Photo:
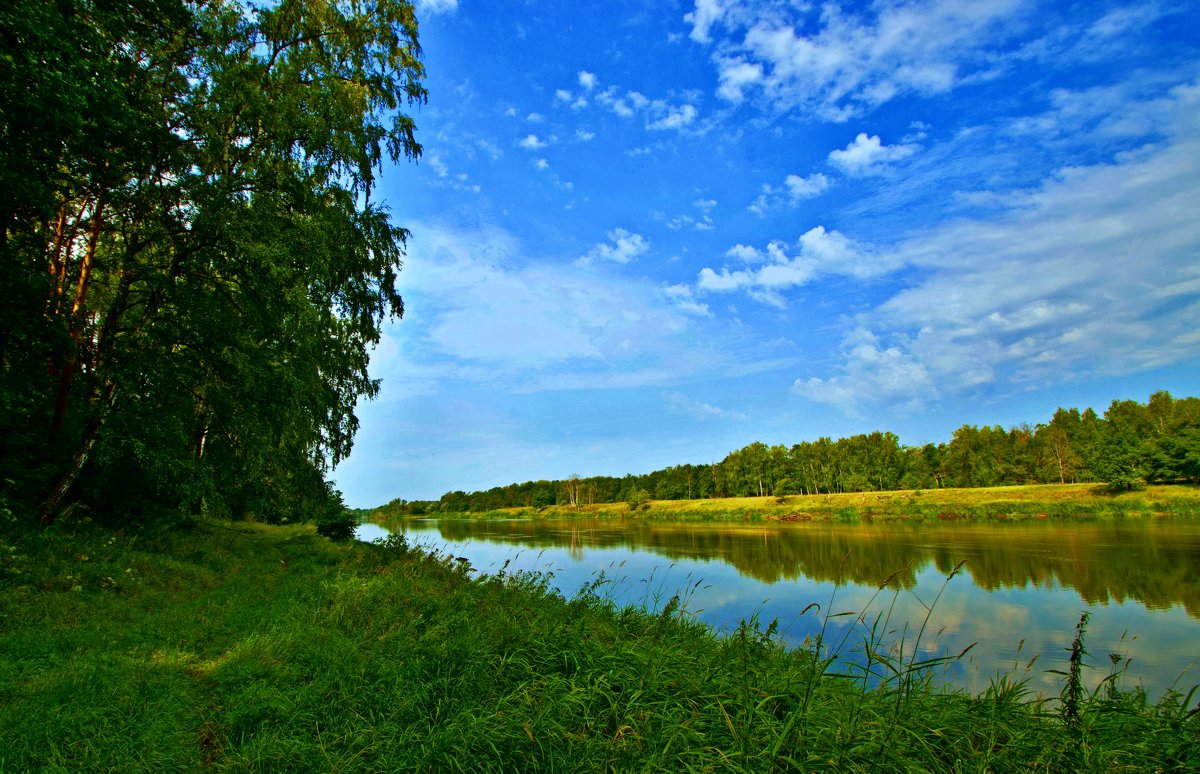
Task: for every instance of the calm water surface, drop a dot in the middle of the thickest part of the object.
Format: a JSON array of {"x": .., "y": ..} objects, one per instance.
[{"x": 1018, "y": 595}]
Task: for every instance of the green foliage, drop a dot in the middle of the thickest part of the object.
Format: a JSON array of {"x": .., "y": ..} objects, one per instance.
[
  {"x": 332, "y": 518},
  {"x": 542, "y": 498},
  {"x": 188, "y": 240},
  {"x": 340, "y": 527}
]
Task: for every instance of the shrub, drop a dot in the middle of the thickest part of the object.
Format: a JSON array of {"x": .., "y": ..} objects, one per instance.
[
  {"x": 639, "y": 498},
  {"x": 338, "y": 527}
]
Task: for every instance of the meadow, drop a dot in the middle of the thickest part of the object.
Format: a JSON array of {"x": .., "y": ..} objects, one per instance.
[{"x": 246, "y": 647}]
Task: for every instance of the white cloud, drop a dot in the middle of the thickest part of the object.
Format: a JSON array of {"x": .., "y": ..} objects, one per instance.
[
  {"x": 1098, "y": 115},
  {"x": 699, "y": 410},
  {"x": 471, "y": 305},
  {"x": 587, "y": 80},
  {"x": 584, "y": 135},
  {"x": 490, "y": 148},
  {"x": 457, "y": 182},
  {"x": 887, "y": 374},
  {"x": 794, "y": 190},
  {"x": 834, "y": 63},
  {"x": 1113, "y": 33},
  {"x": 532, "y": 142},
  {"x": 726, "y": 280},
  {"x": 1095, "y": 271},
  {"x": 623, "y": 246},
  {"x": 765, "y": 201},
  {"x": 1121, "y": 20},
  {"x": 541, "y": 164},
  {"x": 576, "y": 103},
  {"x": 435, "y": 7},
  {"x": 806, "y": 187},
  {"x": 819, "y": 253},
  {"x": 478, "y": 311},
  {"x": 835, "y": 253},
  {"x": 618, "y": 104},
  {"x": 659, "y": 114},
  {"x": 685, "y": 300},
  {"x": 702, "y": 222},
  {"x": 736, "y": 76},
  {"x": 678, "y": 117},
  {"x": 707, "y": 13},
  {"x": 867, "y": 155},
  {"x": 745, "y": 253}
]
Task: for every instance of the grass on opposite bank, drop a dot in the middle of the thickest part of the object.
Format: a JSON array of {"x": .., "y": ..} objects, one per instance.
[
  {"x": 1036, "y": 501},
  {"x": 244, "y": 647}
]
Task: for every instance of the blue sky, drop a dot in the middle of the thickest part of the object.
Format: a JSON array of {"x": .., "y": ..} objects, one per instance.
[{"x": 650, "y": 233}]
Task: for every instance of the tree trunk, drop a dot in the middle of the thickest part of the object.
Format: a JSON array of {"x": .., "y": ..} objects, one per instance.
[
  {"x": 61, "y": 253},
  {"x": 85, "y": 271},
  {"x": 78, "y": 461},
  {"x": 66, "y": 369}
]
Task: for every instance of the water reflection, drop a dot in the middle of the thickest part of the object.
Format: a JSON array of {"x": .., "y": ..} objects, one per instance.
[
  {"x": 1022, "y": 588},
  {"x": 369, "y": 533}
]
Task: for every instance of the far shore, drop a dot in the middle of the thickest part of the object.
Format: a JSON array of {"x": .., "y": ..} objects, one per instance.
[{"x": 1007, "y": 503}]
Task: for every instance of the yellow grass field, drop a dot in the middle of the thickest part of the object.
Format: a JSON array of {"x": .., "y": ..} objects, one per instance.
[{"x": 1009, "y": 502}]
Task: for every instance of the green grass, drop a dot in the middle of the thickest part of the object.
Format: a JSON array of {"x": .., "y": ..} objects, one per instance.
[
  {"x": 250, "y": 648},
  {"x": 1008, "y": 503}
]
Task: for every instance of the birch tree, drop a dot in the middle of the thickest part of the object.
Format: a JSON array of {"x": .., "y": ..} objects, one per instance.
[{"x": 197, "y": 266}]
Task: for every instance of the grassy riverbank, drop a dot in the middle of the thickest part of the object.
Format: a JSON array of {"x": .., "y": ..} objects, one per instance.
[
  {"x": 1040, "y": 501},
  {"x": 247, "y": 647}
]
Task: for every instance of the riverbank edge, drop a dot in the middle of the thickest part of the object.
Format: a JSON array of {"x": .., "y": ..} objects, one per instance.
[
  {"x": 249, "y": 647},
  {"x": 1013, "y": 503}
]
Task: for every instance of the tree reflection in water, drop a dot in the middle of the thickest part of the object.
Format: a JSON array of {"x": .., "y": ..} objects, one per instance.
[{"x": 1021, "y": 582}]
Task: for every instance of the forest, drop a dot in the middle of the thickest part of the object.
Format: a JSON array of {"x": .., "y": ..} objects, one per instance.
[
  {"x": 1130, "y": 445},
  {"x": 193, "y": 268}
]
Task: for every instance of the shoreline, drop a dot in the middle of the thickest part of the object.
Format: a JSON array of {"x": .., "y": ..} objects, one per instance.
[{"x": 1011, "y": 503}]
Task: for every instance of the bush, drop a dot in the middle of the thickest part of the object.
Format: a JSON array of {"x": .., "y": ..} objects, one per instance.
[{"x": 338, "y": 527}]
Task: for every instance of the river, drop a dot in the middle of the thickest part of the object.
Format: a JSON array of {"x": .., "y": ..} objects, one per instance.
[{"x": 1018, "y": 594}]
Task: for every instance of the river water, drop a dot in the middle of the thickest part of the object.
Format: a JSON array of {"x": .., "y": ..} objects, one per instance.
[{"x": 1018, "y": 594}]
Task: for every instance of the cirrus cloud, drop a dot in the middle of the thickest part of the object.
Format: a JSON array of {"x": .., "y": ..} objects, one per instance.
[{"x": 1096, "y": 271}]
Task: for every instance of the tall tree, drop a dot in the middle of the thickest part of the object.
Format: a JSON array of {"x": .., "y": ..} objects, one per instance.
[
  {"x": 1123, "y": 456},
  {"x": 207, "y": 264}
]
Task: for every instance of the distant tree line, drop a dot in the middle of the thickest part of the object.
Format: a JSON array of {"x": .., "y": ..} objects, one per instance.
[{"x": 1132, "y": 444}]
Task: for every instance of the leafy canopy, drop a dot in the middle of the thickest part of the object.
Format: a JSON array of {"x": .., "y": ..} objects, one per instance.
[{"x": 197, "y": 270}]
